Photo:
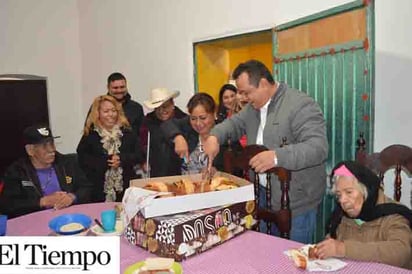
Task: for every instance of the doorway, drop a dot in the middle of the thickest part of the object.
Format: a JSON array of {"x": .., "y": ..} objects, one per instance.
[
  {"x": 24, "y": 103},
  {"x": 216, "y": 59}
]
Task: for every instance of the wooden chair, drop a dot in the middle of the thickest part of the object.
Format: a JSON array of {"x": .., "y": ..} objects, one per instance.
[
  {"x": 396, "y": 156},
  {"x": 282, "y": 217}
]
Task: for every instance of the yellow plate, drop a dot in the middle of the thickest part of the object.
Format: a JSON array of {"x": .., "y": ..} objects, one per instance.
[{"x": 176, "y": 267}]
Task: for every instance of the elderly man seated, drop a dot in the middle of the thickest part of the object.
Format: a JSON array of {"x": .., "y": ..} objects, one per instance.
[
  {"x": 42, "y": 179},
  {"x": 366, "y": 225}
]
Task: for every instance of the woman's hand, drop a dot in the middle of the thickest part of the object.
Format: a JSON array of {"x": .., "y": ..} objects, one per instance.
[
  {"x": 114, "y": 161},
  {"x": 330, "y": 248}
]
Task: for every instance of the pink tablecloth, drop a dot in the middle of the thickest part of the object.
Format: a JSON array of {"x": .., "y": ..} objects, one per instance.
[{"x": 249, "y": 253}]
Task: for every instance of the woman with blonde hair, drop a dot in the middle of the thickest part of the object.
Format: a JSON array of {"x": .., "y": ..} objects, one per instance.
[{"x": 108, "y": 150}]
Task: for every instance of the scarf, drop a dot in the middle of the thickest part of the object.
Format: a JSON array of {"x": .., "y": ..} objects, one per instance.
[
  {"x": 113, "y": 178},
  {"x": 370, "y": 210}
]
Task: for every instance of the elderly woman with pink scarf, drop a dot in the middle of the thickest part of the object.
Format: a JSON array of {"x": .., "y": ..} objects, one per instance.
[{"x": 366, "y": 225}]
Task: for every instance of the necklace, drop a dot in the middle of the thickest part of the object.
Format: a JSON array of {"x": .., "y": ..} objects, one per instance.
[{"x": 200, "y": 145}]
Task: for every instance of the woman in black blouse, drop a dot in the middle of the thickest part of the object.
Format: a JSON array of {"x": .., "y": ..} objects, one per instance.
[{"x": 108, "y": 150}]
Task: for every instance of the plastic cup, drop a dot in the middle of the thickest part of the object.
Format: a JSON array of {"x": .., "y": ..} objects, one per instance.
[
  {"x": 108, "y": 218},
  {"x": 3, "y": 225}
]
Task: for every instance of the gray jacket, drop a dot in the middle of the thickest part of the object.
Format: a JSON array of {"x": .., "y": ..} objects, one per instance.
[{"x": 296, "y": 116}]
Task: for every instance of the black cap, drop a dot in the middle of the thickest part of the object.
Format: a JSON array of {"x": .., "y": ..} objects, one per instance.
[{"x": 38, "y": 135}]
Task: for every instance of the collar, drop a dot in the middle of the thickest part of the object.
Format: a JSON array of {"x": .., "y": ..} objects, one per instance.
[
  {"x": 281, "y": 89},
  {"x": 265, "y": 106}
]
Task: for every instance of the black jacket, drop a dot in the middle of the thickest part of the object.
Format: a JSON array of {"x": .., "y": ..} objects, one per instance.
[
  {"x": 163, "y": 160},
  {"x": 134, "y": 113},
  {"x": 22, "y": 190},
  {"x": 93, "y": 160}
]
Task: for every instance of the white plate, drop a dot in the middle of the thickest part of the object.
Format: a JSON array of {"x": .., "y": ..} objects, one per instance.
[{"x": 100, "y": 232}]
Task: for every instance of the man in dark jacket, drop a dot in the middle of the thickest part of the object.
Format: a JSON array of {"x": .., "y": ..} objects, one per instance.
[
  {"x": 163, "y": 161},
  {"x": 117, "y": 87},
  {"x": 42, "y": 179}
]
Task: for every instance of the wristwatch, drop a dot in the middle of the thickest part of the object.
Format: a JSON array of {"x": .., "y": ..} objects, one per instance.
[{"x": 275, "y": 160}]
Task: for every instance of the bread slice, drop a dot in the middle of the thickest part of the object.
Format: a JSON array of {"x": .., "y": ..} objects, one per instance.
[
  {"x": 215, "y": 182},
  {"x": 299, "y": 259},
  {"x": 156, "y": 186},
  {"x": 189, "y": 186},
  {"x": 312, "y": 253},
  {"x": 222, "y": 183},
  {"x": 158, "y": 263}
]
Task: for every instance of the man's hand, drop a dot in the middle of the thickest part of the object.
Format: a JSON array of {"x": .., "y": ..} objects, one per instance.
[
  {"x": 181, "y": 147},
  {"x": 211, "y": 147},
  {"x": 114, "y": 161},
  {"x": 65, "y": 200},
  {"x": 330, "y": 248},
  {"x": 263, "y": 161},
  {"x": 51, "y": 199}
]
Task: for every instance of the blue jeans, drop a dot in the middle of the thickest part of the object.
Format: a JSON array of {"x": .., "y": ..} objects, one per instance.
[{"x": 303, "y": 225}]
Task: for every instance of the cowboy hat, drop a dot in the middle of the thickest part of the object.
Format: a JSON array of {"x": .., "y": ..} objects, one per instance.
[{"x": 158, "y": 96}]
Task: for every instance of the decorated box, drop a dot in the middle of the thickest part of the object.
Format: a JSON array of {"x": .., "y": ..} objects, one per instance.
[
  {"x": 182, "y": 235},
  {"x": 195, "y": 201}
]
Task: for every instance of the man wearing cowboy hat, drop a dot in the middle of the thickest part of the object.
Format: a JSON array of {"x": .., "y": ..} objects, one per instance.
[
  {"x": 42, "y": 179},
  {"x": 117, "y": 87},
  {"x": 163, "y": 161}
]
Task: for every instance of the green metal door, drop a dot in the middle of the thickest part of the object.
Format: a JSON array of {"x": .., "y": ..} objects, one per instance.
[{"x": 340, "y": 78}]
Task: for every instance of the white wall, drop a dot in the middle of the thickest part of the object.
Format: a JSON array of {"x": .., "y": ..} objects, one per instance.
[
  {"x": 151, "y": 41},
  {"x": 41, "y": 38},
  {"x": 393, "y": 102},
  {"x": 77, "y": 44}
]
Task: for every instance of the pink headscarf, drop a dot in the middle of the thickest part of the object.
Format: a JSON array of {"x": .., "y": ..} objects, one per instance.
[{"x": 343, "y": 171}]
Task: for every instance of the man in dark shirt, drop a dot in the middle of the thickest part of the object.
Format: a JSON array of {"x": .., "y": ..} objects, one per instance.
[
  {"x": 43, "y": 178},
  {"x": 117, "y": 87},
  {"x": 163, "y": 161}
]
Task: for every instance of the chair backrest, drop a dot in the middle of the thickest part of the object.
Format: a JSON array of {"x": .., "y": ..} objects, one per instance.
[
  {"x": 281, "y": 218},
  {"x": 396, "y": 156}
]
